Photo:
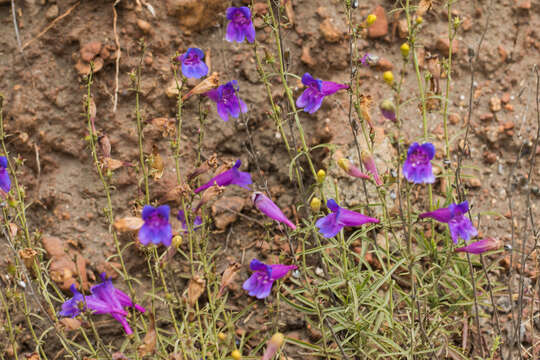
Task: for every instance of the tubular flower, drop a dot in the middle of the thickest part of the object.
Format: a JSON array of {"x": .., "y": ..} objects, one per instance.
[
  {"x": 270, "y": 209},
  {"x": 481, "y": 246},
  {"x": 71, "y": 308},
  {"x": 332, "y": 223},
  {"x": 232, "y": 176},
  {"x": 260, "y": 282},
  {"x": 369, "y": 164},
  {"x": 351, "y": 170},
  {"x": 312, "y": 97},
  {"x": 417, "y": 167},
  {"x": 454, "y": 216},
  {"x": 197, "y": 222},
  {"x": 240, "y": 25},
  {"x": 157, "y": 228},
  {"x": 228, "y": 103},
  {"x": 193, "y": 65},
  {"x": 5, "y": 181}
]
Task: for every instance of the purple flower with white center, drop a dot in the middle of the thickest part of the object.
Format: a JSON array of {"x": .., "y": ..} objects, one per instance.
[
  {"x": 417, "y": 167},
  {"x": 233, "y": 176},
  {"x": 331, "y": 224},
  {"x": 197, "y": 222},
  {"x": 270, "y": 209},
  {"x": 228, "y": 103},
  {"x": 70, "y": 308},
  {"x": 240, "y": 25},
  {"x": 5, "y": 181},
  {"x": 260, "y": 282},
  {"x": 481, "y": 246},
  {"x": 454, "y": 216},
  {"x": 193, "y": 65},
  {"x": 316, "y": 89},
  {"x": 157, "y": 228}
]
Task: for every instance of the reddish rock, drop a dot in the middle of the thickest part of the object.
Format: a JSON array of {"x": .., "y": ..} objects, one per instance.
[
  {"x": 505, "y": 98},
  {"x": 466, "y": 25},
  {"x": 330, "y": 32},
  {"x": 380, "y": 27},
  {"x": 306, "y": 57},
  {"x": 260, "y": 8},
  {"x": 90, "y": 51},
  {"x": 490, "y": 157},
  {"x": 486, "y": 117},
  {"x": 454, "y": 118},
  {"x": 384, "y": 65},
  {"x": 225, "y": 210},
  {"x": 495, "y": 103},
  {"x": 403, "y": 29},
  {"x": 53, "y": 246},
  {"x": 443, "y": 45}
]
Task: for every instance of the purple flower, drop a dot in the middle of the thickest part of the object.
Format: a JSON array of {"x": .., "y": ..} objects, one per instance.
[
  {"x": 193, "y": 65},
  {"x": 70, "y": 308},
  {"x": 352, "y": 170},
  {"x": 311, "y": 99},
  {"x": 260, "y": 282},
  {"x": 267, "y": 207},
  {"x": 417, "y": 167},
  {"x": 157, "y": 228},
  {"x": 5, "y": 181},
  {"x": 454, "y": 216},
  {"x": 227, "y": 101},
  {"x": 332, "y": 223},
  {"x": 197, "y": 222},
  {"x": 240, "y": 25},
  {"x": 481, "y": 246},
  {"x": 369, "y": 164},
  {"x": 231, "y": 176}
]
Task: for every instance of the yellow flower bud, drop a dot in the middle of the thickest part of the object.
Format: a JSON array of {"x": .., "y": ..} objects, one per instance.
[
  {"x": 277, "y": 339},
  {"x": 321, "y": 174},
  {"x": 345, "y": 164},
  {"x": 236, "y": 355},
  {"x": 177, "y": 241},
  {"x": 388, "y": 77},
  {"x": 315, "y": 204},
  {"x": 221, "y": 336},
  {"x": 419, "y": 20},
  {"x": 405, "y": 49},
  {"x": 371, "y": 19}
]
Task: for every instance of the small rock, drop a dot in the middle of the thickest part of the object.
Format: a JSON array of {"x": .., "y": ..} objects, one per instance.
[
  {"x": 503, "y": 54},
  {"x": 195, "y": 15},
  {"x": 384, "y": 65},
  {"x": 486, "y": 117},
  {"x": 90, "y": 50},
  {"x": 306, "y": 57},
  {"x": 52, "y": 12},
  {"x": 466, "y": 25},
  {"x": 454, "y": 118},
  {"x": 224, "y": 210},
  {"x": 380, "y": 27},
  {"x": 329, "y": 31},
  {"x": 260, "y": 8},
  {"x": 443, "y": 45},
  {"x": 508, "y": 125},
  {"x": 403, "y": 29},
  {"x": 504, "y": 305},
  {"x": 145, "y": 26},
  {"x": 524, "y": 5},
  {"x": 495, "y": 103},
  {"x": 475, "y": 183},
  {"x": 323, "y": 12},
  {"x": 53, "y": 246},
  {"x": 490, "y": 157},
  {"x": 505, "y": 98}
]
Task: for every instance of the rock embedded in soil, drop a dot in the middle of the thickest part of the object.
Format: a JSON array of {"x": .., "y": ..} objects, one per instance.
[
  {"x": 495, "y": 103},
  {"x": 330, "y": 31},
  {"x": 443, "y": 45},
  {"x": 90, "y": 50},
  {"x": 225, "y": 210},
  {"x": 195, "y": 15},
  {"x": 380, "y": 27}
]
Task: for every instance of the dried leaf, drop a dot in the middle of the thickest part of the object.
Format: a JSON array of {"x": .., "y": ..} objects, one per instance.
[
  {"x": 28, "y": 255},
  {"x": 165, "y": 125},
  {"x": 289, "y": 10},
  {"x": 228, "y": 276},
  {"x": 365, "y": 104},
  {"x": 209, "y": 194},
  {"x": 156, "y": 164},
  {"x": 70, "y": 324},
  {"x": 149, "y": 343},
  {"x": 13, "y": 229},
  {"x": 196, "y": 287},
  {"x": 105, "y": 146},
  {"x": 119, "y": 356},
  {"x": 112, "y": 164},
  {"x": 204, "y": 86},
  {"x": 129, "y": 223},
  {"x": 32, "y": 356}
]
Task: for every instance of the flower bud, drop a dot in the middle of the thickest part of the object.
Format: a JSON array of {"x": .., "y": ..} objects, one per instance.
[
  {"x": 388, "y": 77},
  {"x": 344, "y": 164},
  {"x": 388, "y": 109},
  {"x": 221, "y": 336},
  {"x": 351, "y": 170},
  {"x": 371, "y": 19},
  {"x": 236, "y": 355},
  {"x": 315, "y": 204},
  {"x": 419, "y": 20},
  {"x": 369, "y": 164},
  {"x": 321, "y": 174},
  {"x": 405, "y": 48},
  {"x": 273, "y": 345},
  {"x": 177, "y": 241}
]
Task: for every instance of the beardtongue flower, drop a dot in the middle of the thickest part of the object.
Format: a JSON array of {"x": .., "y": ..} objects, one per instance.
[
  {"x": 331, "y": 224},
  {"x": 157, "y": 228},
  {"x": 454, "y": 216},
  {"x": 71, "y": 307},
  {"x": 316, "y": 89},
  {"x": 5, "y": 181},
  {"x": 388, "y": 109},
  {"x": 260, "y": 282},
  {"x": 197, "y": 222},
  {"x": 270, "y": 209},
  {"x": 352, "y": 170},
  {"x": 479, "y": 247},
  {"x": 240, "y": 25},
  {"x": 233, "y": 176},
  {"x": 369, "y": 164},
  {"x": 228, "y": 103},
  {"x": 417, "y": 167},
  {"x": 193, "y": 65}
]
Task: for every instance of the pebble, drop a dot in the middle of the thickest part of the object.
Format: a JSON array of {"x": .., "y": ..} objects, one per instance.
[
  {"x": 503, "y": 304},
  {"x": 454, "y": 118},
  {"x": 306, "y": 57},
  {"x": 145, "y": 26},
  {"x": 90, "y": 50},
  {"x": 495, "y": 103},
  {"x": 329, "y": 31},
  {"x": 380, "y": 27},
  {"x": 490, "y": 157},
  {"x": 443, "y": 45},
  {"x": 52, "y": 12},
  {"x": 486, "y": 117},
  {"x": 384, "y": 65}
]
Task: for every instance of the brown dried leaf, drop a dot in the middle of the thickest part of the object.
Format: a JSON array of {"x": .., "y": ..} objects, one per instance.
[
  {"x": 289, "y": 10},
  {"x": 165, "y": 125},
  {"x": 13, "y": 229},
  {"x": 365, "y": 104},
  {"x": 211, "y": 193},
  {"x": 32, "y": 356},
  {"x": 228, "y": 276},
  {"x": 196, "y": 287},
  {"x": 112, "y": 164},
  {"x": 70, "y": 324},
  {"x": 105, "y": 146},
  {"x": 156, "y": 164},
  {"x": 28, "y": 255},
  {"x": 204, "y": 86},
  {"x": 129, "y": 223},
  {"x": 149, "y": 343},
  {"x": 81, "y": 270}
]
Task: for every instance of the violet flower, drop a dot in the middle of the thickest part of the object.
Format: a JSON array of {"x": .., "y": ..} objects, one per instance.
[
  {"x": 417, "y": 167},
  {"x": 233, "y": 176},
  {"x": 157, "y": 228},
  {"x": 260, "y": 282},
  {"x": 228, "y": 103},
  {"x": 5, "y": 181},
  {"x": 481, "y": 246},
  {"x": 197, "y": 222},
  {"x": 316, "y": 89},
  {"x": 193, "y": 65},
  {"x": 369, "y": 164},
  {"x": 340, "y": 217},
  {"x": 71, "y": 308},
  {"x": 454, "y": 216},
  {"x": 352, "y": 170},
  {"x": 240, "y": 25},
  {"x": 270, "y": 209}
]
